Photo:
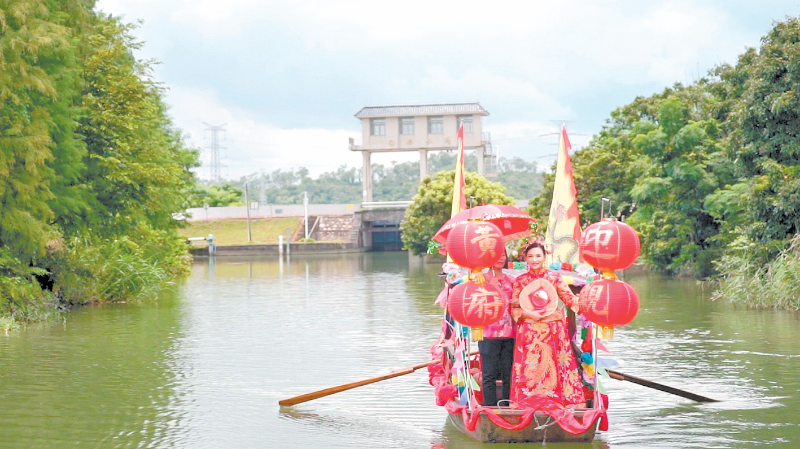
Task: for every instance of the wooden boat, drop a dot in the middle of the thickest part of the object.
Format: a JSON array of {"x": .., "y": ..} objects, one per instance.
[{"x": 541, "y": 429}]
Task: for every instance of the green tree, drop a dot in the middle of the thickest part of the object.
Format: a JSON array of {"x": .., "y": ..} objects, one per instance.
[
  {"x": 216, "y": 195},
  {"x": 431, "y": 206},
  {"x": 94, "y": 170},
  {"x": 762, "y": 203},
  {"x": 657, "y": 159},
  {"x": 38, "y": 59},
  {"x": 137, "y": 166}
]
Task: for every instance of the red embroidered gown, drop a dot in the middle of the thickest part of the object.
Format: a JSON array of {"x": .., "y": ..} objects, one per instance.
[{"x": 544, "y": 364}]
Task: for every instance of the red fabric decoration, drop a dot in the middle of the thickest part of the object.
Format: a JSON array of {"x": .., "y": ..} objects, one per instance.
[
  {"x": 475, "y": 244},
  {"x": 610, "y": 245},
  {"x": 476, "y": 305},
  {"x": 587, "y": 346},
  {"x": 609, "y": 302},
  {"x": 447, "y": 394}
]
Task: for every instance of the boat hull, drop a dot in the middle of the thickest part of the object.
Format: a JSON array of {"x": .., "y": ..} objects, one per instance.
[{"x": 541, "y": 429}]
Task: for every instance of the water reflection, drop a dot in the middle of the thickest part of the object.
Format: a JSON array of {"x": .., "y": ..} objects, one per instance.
[
  {"x": 102, "y": 379},
  {"x": 206, "y": 368}
]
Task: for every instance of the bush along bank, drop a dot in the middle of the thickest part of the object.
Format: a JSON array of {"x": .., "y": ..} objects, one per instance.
[
  {"x": 747, "y": 280},
  {"x": 93, "y": 169},
  {"x": 136, "y": 266}
]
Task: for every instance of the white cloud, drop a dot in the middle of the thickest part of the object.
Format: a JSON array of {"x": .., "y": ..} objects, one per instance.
[
  {"x": 251, "y": 145},
  {"x": 526, "y": 62}
]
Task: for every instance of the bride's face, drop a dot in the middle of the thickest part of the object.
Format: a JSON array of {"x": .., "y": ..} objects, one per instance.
[{"x": 535, "y": 258}]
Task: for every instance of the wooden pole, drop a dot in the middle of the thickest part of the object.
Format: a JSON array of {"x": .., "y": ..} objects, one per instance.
[
  {"x": 333, "y": 390},
  {"x": 667, "y": 389}
]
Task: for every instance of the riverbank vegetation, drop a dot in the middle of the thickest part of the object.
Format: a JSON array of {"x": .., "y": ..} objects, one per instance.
[
  {"x": 709, "y": 173},
  {"x": 757, "y": 285},
  {"x": 93, "y": 168},
  {"x": 431, "y": 206},
  {"x": 396, "y": 182},
  {"x": 234, "y": 232}
]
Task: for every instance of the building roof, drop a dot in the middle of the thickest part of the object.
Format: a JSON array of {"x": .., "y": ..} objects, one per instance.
[{"x": 425, "y": 109}]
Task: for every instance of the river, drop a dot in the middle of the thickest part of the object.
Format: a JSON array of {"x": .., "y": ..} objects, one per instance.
[{"x": 205, "y": 365}]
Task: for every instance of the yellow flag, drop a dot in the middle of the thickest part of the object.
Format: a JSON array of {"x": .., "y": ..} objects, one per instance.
[
  {"x": 564, "y": 225},
  {"x": 459, "y": 200}
]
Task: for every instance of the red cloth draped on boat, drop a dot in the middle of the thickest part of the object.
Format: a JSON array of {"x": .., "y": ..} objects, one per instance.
[
  {"x": 544, "y": 364},
  {"x": 447, "y": 394}
]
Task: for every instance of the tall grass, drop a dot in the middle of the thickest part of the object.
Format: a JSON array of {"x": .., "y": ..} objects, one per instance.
[
  {"x": 130, "y": 267},
  {"x": 776, "y": 284},
  {"x": 134, "y": 266}
]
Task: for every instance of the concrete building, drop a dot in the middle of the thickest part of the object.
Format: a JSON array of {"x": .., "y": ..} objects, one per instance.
[{"x": 423, "y": 128}]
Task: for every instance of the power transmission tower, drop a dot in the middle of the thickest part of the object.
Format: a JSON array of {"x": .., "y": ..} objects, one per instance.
[
  {"x": 215, "y": 166},
  {"x": 262, "y": 189}
]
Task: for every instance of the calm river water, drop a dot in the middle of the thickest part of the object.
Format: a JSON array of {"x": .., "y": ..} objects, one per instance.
[{"x": 204, "y": 367}]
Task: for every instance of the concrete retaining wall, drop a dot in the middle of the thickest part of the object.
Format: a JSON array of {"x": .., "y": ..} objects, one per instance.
[
  {"x": 333, "y": 227},
  {"x": 285, "y": 210},
  {"x": 269, "y": 211},
  {"x": 295, "y": 248}
]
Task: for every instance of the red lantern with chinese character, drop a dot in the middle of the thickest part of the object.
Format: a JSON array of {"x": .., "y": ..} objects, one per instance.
[
  {"x": 610, "y": 245},
  {"x": 609, "y": 302},
  {"x": 476, "y": 305},
  {"x": 475, "y": 244}
]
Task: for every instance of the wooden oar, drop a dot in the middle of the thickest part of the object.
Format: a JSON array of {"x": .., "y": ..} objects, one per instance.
[
  {"x": 650, "y": 384},
  {"x": 333, "y": 390}
]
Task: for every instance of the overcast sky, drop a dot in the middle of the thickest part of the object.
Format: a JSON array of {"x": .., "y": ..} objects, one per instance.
[{"x": 286, "y": 77}]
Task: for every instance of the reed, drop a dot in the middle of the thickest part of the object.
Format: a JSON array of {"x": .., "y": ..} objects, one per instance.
[
  {"x": 7, "y": 323},
  {"x": 775, "y": 284},
  {"x": 130, "y": 267}
]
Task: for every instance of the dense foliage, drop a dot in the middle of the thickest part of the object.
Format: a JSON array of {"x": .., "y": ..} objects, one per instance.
[
  {"x": 707, "y": 173},
  {"x": 431, "y": 206},
  {"x": 93, "y": 170},
  {"x": 396, "y": 182},
  {"x": 216, "y": 195}
]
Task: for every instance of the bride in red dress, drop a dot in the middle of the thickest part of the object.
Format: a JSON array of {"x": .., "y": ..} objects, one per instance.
[{"x": 544, "y": 364}]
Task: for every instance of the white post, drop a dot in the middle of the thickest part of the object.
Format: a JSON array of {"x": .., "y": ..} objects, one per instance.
[
  {"x": 280, "y": 246},
  {"x": 247, "y": 206},
  {"x": 305, "y": 210}
]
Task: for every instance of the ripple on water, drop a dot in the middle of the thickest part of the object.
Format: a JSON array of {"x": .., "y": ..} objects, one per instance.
[{"x": 208, "y": 370}]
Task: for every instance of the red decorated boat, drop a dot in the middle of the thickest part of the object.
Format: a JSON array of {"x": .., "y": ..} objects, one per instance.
[
  {"x": 544, "y": 414},
  {"x": 548, "y": 421}
]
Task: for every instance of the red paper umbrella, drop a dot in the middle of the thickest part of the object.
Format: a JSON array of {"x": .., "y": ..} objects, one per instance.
[
  {"x": 610, "y": 245},
  {"x": 513, "y": 223},
  {"x": 609, "y": 302},
  {"x": 476, "y": 305},
  {"x": 475, "y": 244}
]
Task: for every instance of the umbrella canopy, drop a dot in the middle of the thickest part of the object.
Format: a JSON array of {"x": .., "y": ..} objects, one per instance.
[{"x": 513, "y": 223}]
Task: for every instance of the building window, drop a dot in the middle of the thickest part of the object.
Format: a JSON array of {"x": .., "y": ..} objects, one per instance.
[
  {"x": 407, "y": 125},
  {"x": 436, "y": 124},
  {"x": 465, "y": 120},
  {"x": 377, "y": 126}
]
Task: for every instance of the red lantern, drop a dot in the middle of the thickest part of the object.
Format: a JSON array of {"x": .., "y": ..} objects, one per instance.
[
  {"x": 610, "y": 245},
  {"x": 475, "y": 244},
  {"x": 476, "y": 305},
  {"x": 609, "y": 302}
]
